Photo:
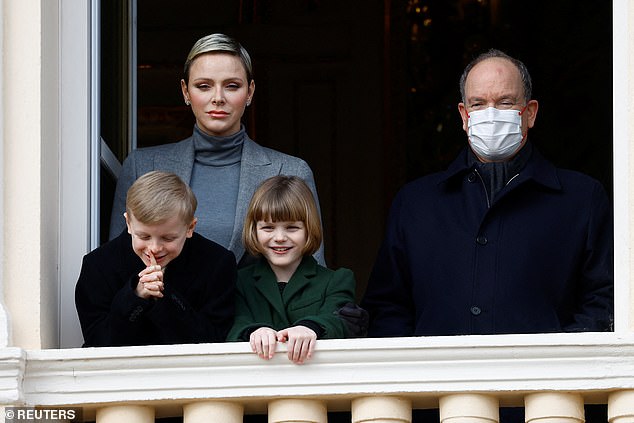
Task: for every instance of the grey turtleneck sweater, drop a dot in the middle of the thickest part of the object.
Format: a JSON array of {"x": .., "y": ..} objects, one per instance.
[{"x": 215, "y": 180}]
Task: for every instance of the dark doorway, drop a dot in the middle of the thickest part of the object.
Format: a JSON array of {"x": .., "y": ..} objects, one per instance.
[
  {"x": 567, "y": 47},
  {"x": 318, "y": 69},
  {"x": 367, "y": 92}
]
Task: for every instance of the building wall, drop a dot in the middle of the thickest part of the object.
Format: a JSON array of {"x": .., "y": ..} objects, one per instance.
[{"x": 24, "y": 244}]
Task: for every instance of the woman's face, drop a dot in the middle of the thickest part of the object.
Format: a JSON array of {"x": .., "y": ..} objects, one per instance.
[{"x": 219, "y": 92}]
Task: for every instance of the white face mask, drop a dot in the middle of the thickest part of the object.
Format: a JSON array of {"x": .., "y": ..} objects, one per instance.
[{"x": 495, "y": 134}]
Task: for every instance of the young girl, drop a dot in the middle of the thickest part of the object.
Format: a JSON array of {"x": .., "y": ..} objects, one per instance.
[{"x": 286, "y": 296}]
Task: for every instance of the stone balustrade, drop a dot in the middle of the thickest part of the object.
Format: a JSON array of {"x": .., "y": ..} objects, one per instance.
[{"x": 468, "y": 378}]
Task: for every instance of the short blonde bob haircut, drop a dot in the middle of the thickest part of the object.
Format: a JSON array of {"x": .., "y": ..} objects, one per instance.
[
  {"x": 282, "y": 199},
  {"x": 157, "y": 196},
  {"x": 219, "y": 43}
]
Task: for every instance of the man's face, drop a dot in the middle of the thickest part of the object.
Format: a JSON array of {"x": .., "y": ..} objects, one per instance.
[{"x": 496, "y": 82}]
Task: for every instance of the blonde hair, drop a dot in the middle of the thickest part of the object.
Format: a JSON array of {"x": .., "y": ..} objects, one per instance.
[
  {"x": 283, "y": 199},
  {"x": 219, "y": 43},
  {"x": 158, "y": 196}
]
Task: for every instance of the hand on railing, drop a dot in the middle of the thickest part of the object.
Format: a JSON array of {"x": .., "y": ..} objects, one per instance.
[
  {"x": 300, "y": 342},
  {"x": 263, "y": 342}
]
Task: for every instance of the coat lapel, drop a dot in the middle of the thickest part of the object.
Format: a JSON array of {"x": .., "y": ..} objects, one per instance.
[
  {"x": 180, "y": 160},
  {"x": 266, "y": 284},
  {"x": 255, "y": 167},
  {"x": 306, "y": 270}
]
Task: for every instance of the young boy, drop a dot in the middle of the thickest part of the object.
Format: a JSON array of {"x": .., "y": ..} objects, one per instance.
[{"x": 158, "y": 282}]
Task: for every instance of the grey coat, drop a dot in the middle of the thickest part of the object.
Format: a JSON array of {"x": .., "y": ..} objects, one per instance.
[{"x": 258, "y": 163}]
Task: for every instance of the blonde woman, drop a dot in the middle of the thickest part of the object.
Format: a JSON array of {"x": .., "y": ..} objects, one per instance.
[{"x": 219, "y": 161}]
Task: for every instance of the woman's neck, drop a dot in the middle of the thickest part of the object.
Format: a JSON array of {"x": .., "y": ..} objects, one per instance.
[{"x": 218, "y": 151}]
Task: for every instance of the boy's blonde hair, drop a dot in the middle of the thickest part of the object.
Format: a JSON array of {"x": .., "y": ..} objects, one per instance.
[
  {"x": 282, "y": 199},
  {"x": 158, "y": 196}
]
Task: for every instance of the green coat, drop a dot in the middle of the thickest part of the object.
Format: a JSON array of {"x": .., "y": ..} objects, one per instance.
[{"x": 314, "y": 293}]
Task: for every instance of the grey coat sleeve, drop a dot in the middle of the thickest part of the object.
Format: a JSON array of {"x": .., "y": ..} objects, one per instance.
[
  {"x": 126, "y": 179},
  {"x": 304, "y": 172}
]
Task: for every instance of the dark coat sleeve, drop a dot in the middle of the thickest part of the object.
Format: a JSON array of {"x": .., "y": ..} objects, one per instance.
[
  {"x": 388, "y": 297},
  {"x": 595, "y": 305},
  {"x": 108, "y": 309},
  {"x": 245, "y": 322},
  {"x": 197, "y": 306}
]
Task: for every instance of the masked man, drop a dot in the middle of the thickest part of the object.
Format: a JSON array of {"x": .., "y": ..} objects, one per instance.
[{"x": 500, "y": 242}]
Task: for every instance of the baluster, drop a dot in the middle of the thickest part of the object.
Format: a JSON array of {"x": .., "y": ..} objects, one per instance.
[
  {"x": 125, "y": 413},
  {"x": 554, "y": 407},
  {"x": 621, "y": 407},
  {"x": 297, "y": 410},
  {"x": 213, "y": 411},
  {"x": 469, "y": 408},
  {"x": 381, "y": 410}
]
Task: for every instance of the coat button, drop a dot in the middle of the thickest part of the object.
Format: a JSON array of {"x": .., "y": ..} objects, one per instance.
[
  {"x": 475, "y": 310},
  {"x": 471, "y": 177},
  {"x": 482, "y": 240}
]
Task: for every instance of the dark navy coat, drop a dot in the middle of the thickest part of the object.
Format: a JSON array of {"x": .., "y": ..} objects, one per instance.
[
  {"x": 197, "y": 304},
  {"x": 539, "y": 259}
]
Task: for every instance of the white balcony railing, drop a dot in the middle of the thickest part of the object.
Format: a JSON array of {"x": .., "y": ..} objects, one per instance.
[{"x": 418, "y": 372}]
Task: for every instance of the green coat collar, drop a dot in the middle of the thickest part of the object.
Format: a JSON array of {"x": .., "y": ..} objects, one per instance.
[{"x": 266, "y": 282}]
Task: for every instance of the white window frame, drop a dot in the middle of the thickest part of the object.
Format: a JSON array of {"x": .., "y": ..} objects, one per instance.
[
  {"x": 621, "y": 114},
  {"x": 79, "y": 155}
]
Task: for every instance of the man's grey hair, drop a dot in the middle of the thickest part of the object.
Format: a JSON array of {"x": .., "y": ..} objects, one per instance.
[{"x": 493, "y": 53}]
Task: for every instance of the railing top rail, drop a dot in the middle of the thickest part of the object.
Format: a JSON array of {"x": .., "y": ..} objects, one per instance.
[{"x": 509, "y": 365}]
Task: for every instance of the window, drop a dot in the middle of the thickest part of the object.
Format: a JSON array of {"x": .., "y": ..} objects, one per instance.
[{"x": 360, "y": 79}]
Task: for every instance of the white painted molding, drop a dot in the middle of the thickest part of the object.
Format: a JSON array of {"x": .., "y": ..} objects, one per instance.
[
  {"x": 508, "y": 366},
  {"x": 79, "y": 153},
  {"x": 12, "y": 369},
  {"x": 622, "y": 124}
]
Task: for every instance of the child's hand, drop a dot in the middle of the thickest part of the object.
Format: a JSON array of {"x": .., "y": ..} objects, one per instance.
[
  {"x": 301, "y": 342},
  {"x": 150, "y": 281},
  {"x": 263, "y": 342}
]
